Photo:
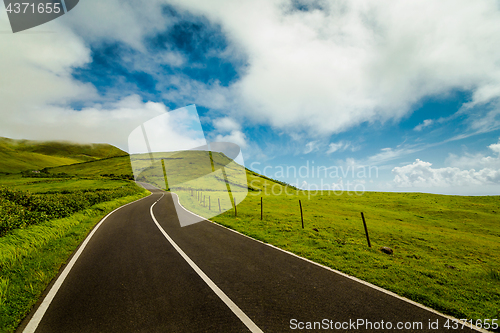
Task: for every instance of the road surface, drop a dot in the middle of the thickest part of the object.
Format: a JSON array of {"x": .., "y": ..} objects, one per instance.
[{"x": 141, "y": 272}]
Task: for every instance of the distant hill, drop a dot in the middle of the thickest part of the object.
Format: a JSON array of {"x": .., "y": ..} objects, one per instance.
[
  {"x": 185, "y": 164},
  {"x": 118, "y": 165},
  {"x": 22, "y": 155},
  {"x": 97, "y": 160}
]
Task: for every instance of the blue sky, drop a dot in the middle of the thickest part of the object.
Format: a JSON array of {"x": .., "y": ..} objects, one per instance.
[{"x": 410, "y": 89}]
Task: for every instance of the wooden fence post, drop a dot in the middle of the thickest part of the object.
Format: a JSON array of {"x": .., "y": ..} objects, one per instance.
[
  {"x": 235, "y": 210},
  {"x": 366, "y": 230},
  {"x": 261, "y": 209},
  {"x": 301, "y": 215},
  {"x": 218, "y": 199}
]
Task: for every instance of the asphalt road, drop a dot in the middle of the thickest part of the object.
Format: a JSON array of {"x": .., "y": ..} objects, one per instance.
[{"x": 131, "y": 278}]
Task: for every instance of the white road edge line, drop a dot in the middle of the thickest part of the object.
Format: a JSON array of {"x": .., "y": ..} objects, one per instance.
[
  {"x": 40, "y": 312},
  {"x": 344, "y": 274},
  {"x": 236, "y": 310}
]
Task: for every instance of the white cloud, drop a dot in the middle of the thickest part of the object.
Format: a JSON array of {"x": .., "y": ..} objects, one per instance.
[
  {"x": 476, "y": 161},
  {"x": 115, "y": 20},
  {"x": 229, "y": 125},
  {"x": 356, "y": 61},
  {"x": 495, "y": 147},
  {"x": 426, "y": 123},
  {"x": 38, "y": 87},
  {"x": 226, "y": 124},
  {"x": 421, "y": 174},
  {"x": 485, "y": 123},
  {"x": 311, "y": 146},
  {"x": 339, "y": 146},
  {"x": 36, "y": 69},
  {"x": 235, "y": 136},
  {"x": 295, "y": 136},
  {"x": 389, "y": 154},
  {"x": 171, "y": 58},
  {"x": 333, "y": 147},
  {"x": 111, "y": 124},
  {"x": 170, "y": 131},
  {"x": 323, "y": 71}
]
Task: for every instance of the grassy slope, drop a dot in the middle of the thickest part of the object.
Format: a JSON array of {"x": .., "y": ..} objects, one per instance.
[
  {"x": 196, "y": 175},
  {"x": 115, "y": 165},
  {"x": 446, "y": 248},
  {"x": 121, "y": 165},
  {"x": 31, "y": 257},
  {"x": 20, "y": 155},
  {"x": 13, "y": 162}
]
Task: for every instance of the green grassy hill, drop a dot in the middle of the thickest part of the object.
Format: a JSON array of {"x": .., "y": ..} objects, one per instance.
[
  {"x": 446, "y": 248},
  {"x": 22, "y": 155},
  {"x": 189, "y": 172},
  {"x": 119, "y": 165},
  {"x": 185, "y": 166}
]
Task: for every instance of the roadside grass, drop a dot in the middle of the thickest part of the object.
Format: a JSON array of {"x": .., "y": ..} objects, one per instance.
[
  {"x": 206, "y": 203},
  {"x": 32, "y": 254},
  {"x": 30, "y": 258},
  {"x": 41, "y": 185},
  {"x": 205, "y": 195},
  {"x": 446, "y": 248}
]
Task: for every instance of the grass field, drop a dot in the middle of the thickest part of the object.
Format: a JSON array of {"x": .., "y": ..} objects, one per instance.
[
  {"x": 37, "y": 185},
  {"x": 33, "y": 251},
  {"x": 30, "y": 258},
  {"x": 446, "y": 248},
  {"x": 31, "y": 255}
]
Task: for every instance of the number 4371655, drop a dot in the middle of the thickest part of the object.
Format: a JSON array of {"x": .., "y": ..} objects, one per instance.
[
  {"x": 485, "y": 323},
  {"x": 26, "y": 7}
]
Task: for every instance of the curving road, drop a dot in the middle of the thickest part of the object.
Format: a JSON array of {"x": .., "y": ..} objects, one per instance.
[{"x": 139, "y": 271}]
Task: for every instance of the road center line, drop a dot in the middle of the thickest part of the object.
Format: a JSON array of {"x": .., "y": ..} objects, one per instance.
[{"x": 236, "y": 310}]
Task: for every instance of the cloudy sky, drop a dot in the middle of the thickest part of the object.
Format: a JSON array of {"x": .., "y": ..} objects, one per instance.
[{"x": 408, "y": 90}]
